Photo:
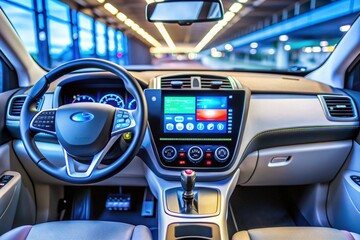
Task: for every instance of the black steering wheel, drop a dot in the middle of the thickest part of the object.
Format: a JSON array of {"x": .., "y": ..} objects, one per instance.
[{"x": 84, "y": 130}]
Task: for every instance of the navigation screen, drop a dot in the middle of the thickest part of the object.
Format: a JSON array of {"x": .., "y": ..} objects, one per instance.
[{"x": 201, "y": 114}]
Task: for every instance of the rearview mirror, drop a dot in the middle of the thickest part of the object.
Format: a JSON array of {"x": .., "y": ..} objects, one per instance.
[{"x": 185, "y": 12}]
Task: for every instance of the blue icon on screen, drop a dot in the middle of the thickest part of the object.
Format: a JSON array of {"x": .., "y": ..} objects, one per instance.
[
  {"x": 179, "y": 119},
  {"x": 189, "y": 126},
  {"x": 169, "y": 126},
  {"x": 200, "y": 126},
  {"x": 179, "y": 126}
]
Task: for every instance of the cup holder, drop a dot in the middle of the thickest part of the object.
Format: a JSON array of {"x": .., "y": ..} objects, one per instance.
[{"x": 193, "y": 231}]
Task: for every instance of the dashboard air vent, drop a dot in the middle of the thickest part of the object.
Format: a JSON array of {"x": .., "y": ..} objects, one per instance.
[
  {"x": 340, "y": 107},
  {"x": 17, "y": 103},
  {"x": 195, "y": 82}
]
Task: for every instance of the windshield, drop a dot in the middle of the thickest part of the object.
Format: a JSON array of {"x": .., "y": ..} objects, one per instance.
[{"x": 264, "y": 35}]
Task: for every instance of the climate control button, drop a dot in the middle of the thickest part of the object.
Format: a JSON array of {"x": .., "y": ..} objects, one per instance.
[
  {"x": 169, "y": 153},
  {"x": 221, "y": 154},
  {"x": 195, "y": 154}
]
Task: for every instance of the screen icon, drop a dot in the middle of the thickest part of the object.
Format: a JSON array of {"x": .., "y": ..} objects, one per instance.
[
  {"x": 220, "y": 126},
  {"x": 210, "y": 126},
  {"x": 179, "y": 119},
  {"x": 190, "y": 126},
  {"x": 200, "y": 126},
  {"x": 179, "y": 126},
  {"x": 169, "y": 126}
]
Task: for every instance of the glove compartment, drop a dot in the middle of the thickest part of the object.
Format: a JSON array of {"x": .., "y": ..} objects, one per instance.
[{"x": 294, "y": 165}]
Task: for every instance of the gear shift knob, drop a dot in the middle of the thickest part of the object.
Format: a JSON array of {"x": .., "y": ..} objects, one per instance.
[{"x": 188, "y": 178}]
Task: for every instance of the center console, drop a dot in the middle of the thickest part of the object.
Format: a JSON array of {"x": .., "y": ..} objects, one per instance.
[
  {"x": 198, "y": 130},
  {"x": 194, "y": 128}
]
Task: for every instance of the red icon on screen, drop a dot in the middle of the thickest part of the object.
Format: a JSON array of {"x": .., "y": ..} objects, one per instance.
[{"x": 218, "y": 115}]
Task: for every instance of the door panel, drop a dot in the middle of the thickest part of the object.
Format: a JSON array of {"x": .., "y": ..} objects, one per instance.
[{"x": 17, "y": 199}]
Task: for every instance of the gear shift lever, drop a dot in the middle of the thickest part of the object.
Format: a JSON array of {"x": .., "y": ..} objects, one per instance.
[
  {"x": 188, "y": 183},
  {"x": 188, "y": 178}
]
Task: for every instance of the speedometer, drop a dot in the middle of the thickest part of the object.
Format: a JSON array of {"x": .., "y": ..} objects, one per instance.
[
  {"x": 132, "y": 104},
  {"x": 82, "y": 98},
  {"x": 113, "y": 100}
]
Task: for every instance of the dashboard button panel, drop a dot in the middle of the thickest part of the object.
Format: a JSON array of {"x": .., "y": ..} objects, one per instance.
[
  {"x": 195, "y": 155},
  {"x": 122, "y": 120},
  {"x": 44, "y": 121}
]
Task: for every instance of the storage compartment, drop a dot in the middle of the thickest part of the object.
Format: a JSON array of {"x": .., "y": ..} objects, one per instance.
[
  {"x": 206, "y": 200},
  {"x": 10, "y": 184},
  {"x": 193, "y": 231},
  {"x": 343, "y": 206},
  {"x": 295, "y": 165}
]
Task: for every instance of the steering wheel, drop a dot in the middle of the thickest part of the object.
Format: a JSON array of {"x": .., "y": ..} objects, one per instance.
[{"x": 85, "y": 131}]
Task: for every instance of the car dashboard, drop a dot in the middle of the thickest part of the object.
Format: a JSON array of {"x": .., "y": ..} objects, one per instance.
[{"x": 267, "y": 125}]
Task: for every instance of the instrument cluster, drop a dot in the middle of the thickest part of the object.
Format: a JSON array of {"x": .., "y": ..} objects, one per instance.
[{"x": 118, "y": 98}]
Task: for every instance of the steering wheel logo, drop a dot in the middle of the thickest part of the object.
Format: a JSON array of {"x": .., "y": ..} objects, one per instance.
[{"x": 82, "y": 117}]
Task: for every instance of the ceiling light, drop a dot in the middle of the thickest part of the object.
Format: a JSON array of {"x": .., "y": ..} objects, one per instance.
[
  {"x": 162, "y": 29},
  {"x": 287, "y": 47},
  {"x": 228, "y": 16},
  {"x": 283, "y": 38},
  {"x": 113, "y": 10},
  {"x": 145, "y": 35},
  {"x": 210, "y": 35},
  {"x": 253, "y": 51},
  {"x": 165, "y": 35},
  {"x": 229, "y": 47},
  {"x": 271, "y": 51},
  {"x": 316, "y": 49},
  {"x": 135, "y": 27},
  {"x": 307, "y": 50},
  {"x": 222, "y": 22},
  {"x": 192, "y": 56},
  {"x": 254, "y": 45},
  {"x": 122, "y": 17},
  {"x": 140, "y": 31},
  {"x": 163, "y": 50},
  {"x": 129, "y": 22},
  {"x": 235, "y": 7},
  {"x": 153, "y": 41},
  {"x": 216, "y": 54},
  {"x": 328, "y": 49},
  {"x": 324, "y": 43},
  {"x": 345, "y": 28}
]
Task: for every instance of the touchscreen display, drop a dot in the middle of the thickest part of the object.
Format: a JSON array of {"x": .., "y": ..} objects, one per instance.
[{"x": 197, "y": 114}]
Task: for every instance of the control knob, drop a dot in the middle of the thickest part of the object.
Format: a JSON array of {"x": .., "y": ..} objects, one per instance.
[
  {"x": 195, "y": 154},
  {"x": 169, "y": 153},
  {"x": 221, "y": 154}
]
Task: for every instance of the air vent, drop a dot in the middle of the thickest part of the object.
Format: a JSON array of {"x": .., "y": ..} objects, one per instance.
[
  {"x": 18, "y": 102},
  {"x": 339, "y": 107},
  {"x": 187, "y": 82}
]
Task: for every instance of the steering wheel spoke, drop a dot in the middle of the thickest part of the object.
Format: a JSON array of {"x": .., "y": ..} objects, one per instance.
[
  {"x": 73, "y": 168},
  {"x": 44, "y": 122},
  {"x": 123, "y": 122}
]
